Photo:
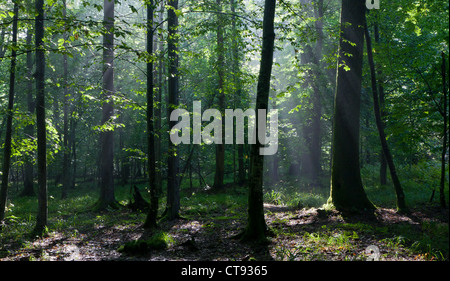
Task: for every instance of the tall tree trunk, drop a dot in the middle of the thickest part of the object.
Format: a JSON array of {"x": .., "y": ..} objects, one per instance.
[
  {"x": 153, "y": 211},
  {"x": 310, "y": 167},
  {"x": 347, "y": 192},
  {"x": 401, "y": 205},
  {"x": 316, "y": 145},
  {"x": 8, "y": 137},
  {"x": 29, "y": 129},
  {"x": 256, "y": 225},
  {"x": 220, "y": 148},
  {"x": 107, "y": 197},
  {"x": 237, "y": 95},
  {"x": 158, "y": 109},
  {"x": 307, "y": 59},
  {"x": 310, "y": 159},
  {"x": 173, "y": 187},
  {"x": 42, "y": 215},
  {"x": 444, "y": 145},
  {"x": 383, "y": 163},
  {"x": 66, "y": 148}
]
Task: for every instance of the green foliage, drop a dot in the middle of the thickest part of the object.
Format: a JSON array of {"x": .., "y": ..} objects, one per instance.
[
  {"x": 417, "y": 180},
  {"x": 158, "y": 241},
  {"x": 207, "y": 204},
  {"x": 295, "y": 194}
]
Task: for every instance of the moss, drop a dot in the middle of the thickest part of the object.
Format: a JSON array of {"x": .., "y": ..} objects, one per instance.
[
  {"x": 157, "y": 241},
  {"x": 137, "y": 247}
]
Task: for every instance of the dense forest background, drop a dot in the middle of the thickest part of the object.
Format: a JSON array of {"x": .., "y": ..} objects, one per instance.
[{"x": 86, "y": 91}]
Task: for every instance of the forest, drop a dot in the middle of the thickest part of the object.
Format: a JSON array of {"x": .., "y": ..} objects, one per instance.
[{"x": 224, "y": 130}]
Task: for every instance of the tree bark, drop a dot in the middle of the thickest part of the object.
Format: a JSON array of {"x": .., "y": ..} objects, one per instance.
[
  {"x": 173, "y": 188},
  {"x": 444, "y": 144},
  {"x": 2, "y": 40},
  {"x": 383, "y": 163},
  {"x": 66, "y": 148},
  {"x": 152, "y": 216},
  {"x": 158, "y": 110},
  {"x": 42, "y": 215},
  {"x": 274, "y": 173},
  {"x": 220, "y": 148},
  {"x": 237, "y": 95},
  {"x": 347, "y": 192},
  {"x": 311, "y": 168},
  {"x": 28, "y": 180},
  {"x": 256, "y": 225},
  {"x": 316, "y": 145},
  {"x": 9, "y": 119},
  {"x": 107, "y": 197},
  {"x": 401, "y": 205}
]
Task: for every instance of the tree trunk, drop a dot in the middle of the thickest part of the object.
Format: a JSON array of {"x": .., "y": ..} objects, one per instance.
[
  {"x": 316, "y": 145},
  {"x": 220, "y": 148},
  {"x": 241, "y": 165},
  {"x": 42, "y": 215},
  {"x": 444, "y": 145},
  {"x": 383, "y": 163},
  {"x": 154, "y": 200},
  {"x": 158, "y": 110},
  {"x": 310, "y": 168},
  {"x": 274, "y": 174},
  {"x": 8, "y": 137},
  {"x": 28, "y": 179},
  {"x": 237, "y": 96},
  {"x": 401, "y": 206},
  {"x": 2, "y": 40},
  {"x": 107, "y": 197},
  {"x": 173, "y": 188},
  {"x": 347, "y": 192},
  {"x": 66, "y": 148},
  {"x": 73, "y": 147},
  {"x": 256, "y": 225}
]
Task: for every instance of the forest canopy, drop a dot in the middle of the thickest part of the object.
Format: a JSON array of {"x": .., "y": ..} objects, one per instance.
[{"x": 186, "y": 123}]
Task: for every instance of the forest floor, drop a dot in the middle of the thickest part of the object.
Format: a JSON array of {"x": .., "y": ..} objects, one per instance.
[{"x": 210, "y": 223}]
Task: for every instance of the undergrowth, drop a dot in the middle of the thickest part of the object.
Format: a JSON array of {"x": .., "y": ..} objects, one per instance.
[{"x": 427, "y": 240}]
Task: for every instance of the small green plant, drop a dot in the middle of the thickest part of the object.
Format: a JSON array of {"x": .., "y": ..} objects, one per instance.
[
  {"x": 285, "y": 253},
  {"x": 274, "y": 197}
]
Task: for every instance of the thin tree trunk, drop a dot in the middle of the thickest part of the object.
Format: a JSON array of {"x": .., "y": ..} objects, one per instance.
[
  {"x": 29, "y": 129},
  {"x": 274, "y": 174},
  {"x": 256, "y": 225},
  {"x": 66, "y": 148},
  {"x": 158, "y": 110},
  {"x": 401, "y": 206},
  {"x": 42, "y": 215},
  {"x": 8, "y": 137},
  {"x": 2, "y": 40},
  {"x": 220, "y": 148},
  {"x": 383, "y": 163},
  {"x": 154, "y": 200},
  {"x": 72, "y": 145},
  {"x": 173, "y": 188},
  {"x": 444, "y": 145}
]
